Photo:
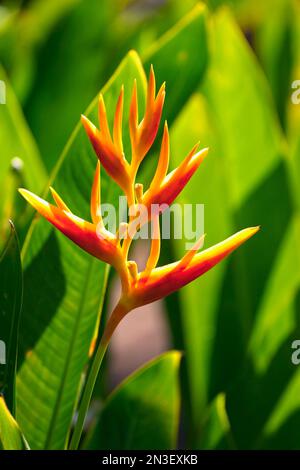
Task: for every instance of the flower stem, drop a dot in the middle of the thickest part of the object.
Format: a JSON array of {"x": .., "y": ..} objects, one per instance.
[{"x": 115, "y": 318}]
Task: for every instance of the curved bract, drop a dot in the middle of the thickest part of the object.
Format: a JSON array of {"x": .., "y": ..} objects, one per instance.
[{"x": 138, "y": 288}]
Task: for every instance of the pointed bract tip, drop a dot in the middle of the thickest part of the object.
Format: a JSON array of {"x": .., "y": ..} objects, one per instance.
[
  {"x": 84, "y": 120},
  {"x": 195, "y": 158},
  {"x": 255, "y": 229},
  {"x": 33, "y": 199},
  {"x": 203, "y": 152},
  {"x": 199, "y": 243},
  {"x": 24, "y": 192},
  {"x": 89, "y": 127}
]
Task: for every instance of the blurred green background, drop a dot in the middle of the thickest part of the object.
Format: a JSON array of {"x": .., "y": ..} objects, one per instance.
[{"x": 229, "y": 68}]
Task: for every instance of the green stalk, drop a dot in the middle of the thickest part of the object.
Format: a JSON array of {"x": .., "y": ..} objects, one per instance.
[{"x": 115, "y": 318}]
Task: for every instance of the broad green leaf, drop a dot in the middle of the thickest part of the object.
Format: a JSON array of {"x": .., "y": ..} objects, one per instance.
[
  {"x": 260, "y": 396},
  {"x": 186, "y": 43},
  {"x": 267, "y": 393},
  {"x": 64, "y": 287},
  {"x": 11, "y": 437},
  {"x": 188, "y": 65},
  {"x": 294, "y": 109},
  {"x": 143, "y": 412},
  {"x": 275, "y": 49},
  {"x": 282, "y": 429},
  {"x": 10, "y": 307},
  {"x": 275, "y": 318},
  {"x": 20, "y": 160},
  {"x": 216, "y": 427},
  {"x": 71, "y": 67},
  {"x": 242, "y": 183},
  {"x": 22, "y": 33},
  {"x": 16, "y": 141}
]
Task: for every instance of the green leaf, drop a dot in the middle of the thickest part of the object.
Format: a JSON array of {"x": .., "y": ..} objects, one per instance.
[
  {"x": 188, "y": 65},
  {"x": 64, "y": 287},
  {"x": 16, "y": 141},
  {"x": 11, "y": 437},
  {"x": 275, "y": 49},
  {"x": 216, "y": 427},
  {"x": 10, "y": 307},
  {"x": 188, "y": 62},
  {"x": 32, "y": 22},
  {"x": 242, "y": 183},
  {"x": 143, "y": 412},
  {"x": 62, "y": 88},
  {"x": 265, "y": 395},
  {"x": 281, "y": 430}
]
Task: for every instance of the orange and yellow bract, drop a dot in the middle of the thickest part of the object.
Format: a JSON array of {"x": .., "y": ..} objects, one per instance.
[{"x": 138, "y": 288}]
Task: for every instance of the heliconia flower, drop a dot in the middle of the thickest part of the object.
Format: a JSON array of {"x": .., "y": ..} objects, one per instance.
[
  {"x": 110, "y": 150},
  {"x": 138, "y": 288},
  {"x": 153, "y": 283},
  {"x": 143, "y": 133},
  {"x": 167, "y": 279},
  {"x": 156, "y": 283},
  {"x": 91, "y": 237},
  {"x": 164, "y": 187}
]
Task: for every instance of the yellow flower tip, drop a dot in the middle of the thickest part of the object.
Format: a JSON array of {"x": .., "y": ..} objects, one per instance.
[
  {"x": 96, "y": 197},
  {"x": 151, "y": 92},
  {"x": 117, "y": 130},
  {"x": 102, "y": 116},
  {"x": 253, "y": 230},
  {"x": 133, "y": 269},
  {"x": 22, "y": 190},
  {"x": 163, "y": 162},
  {"x": 233, "y": 242},
  {"x": 165, "y": 138},
  {"x": 160, "y": 99},
  {"x": 198, "y": 157},
  {"x": 205, "y": 152},
  {"x": 133, "y": 112},
  {"x": 101, "y": 99},
  {"x": 43, "y": 207},
  {"x": 139, "y": 190},
  {"x": 151, "y": 81},
  {"x": 189, "y": 255},
  {"x": 192, "y": 162},
  {"x": 162, "y": 88},
  {"x": 199, "y": 243},
  {"x": 89, "y": 127},
  {"x": 58, "y": 200},
  {"x": 29, "y": 196}
]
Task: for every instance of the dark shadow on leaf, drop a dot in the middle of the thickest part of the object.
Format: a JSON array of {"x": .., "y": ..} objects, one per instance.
[
  {"x": 246, "y": 277},
  {"x": 287, "y": 436},
  {"x": 41, "y": 296},
  {"x": 252, "y": 398}
]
